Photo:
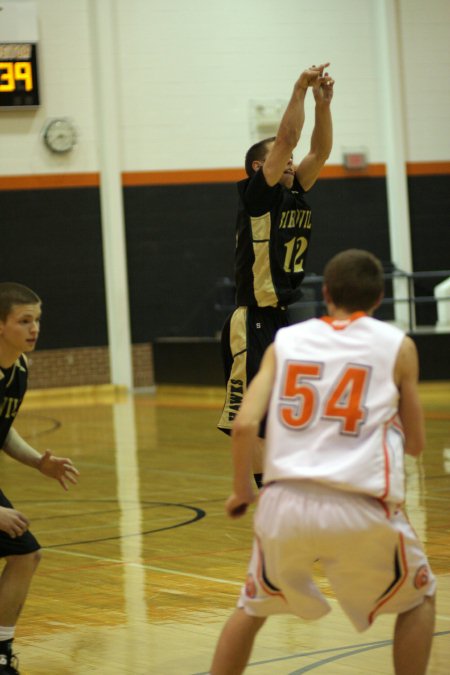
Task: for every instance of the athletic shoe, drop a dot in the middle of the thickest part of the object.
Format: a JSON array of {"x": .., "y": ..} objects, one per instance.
[{"x": 8, "y": 663}]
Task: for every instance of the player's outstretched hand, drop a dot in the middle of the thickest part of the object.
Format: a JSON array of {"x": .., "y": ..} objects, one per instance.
[
  {"x": 309, "y": 76},
  {"x": 60, "y": 468},
  {"x": 323, "y": 89},
  {"x": 12, "y": 522}
]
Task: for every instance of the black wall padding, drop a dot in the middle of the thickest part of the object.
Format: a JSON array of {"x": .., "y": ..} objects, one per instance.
[
  {"x": 51, "y": 241},
  {"x": 180, "y": 248}
]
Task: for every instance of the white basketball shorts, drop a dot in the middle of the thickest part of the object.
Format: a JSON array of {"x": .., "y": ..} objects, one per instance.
[{"x": 374, "y": 561}]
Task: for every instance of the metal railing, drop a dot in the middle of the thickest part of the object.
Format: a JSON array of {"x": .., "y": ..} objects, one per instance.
[{"x": 412, "y": 299}]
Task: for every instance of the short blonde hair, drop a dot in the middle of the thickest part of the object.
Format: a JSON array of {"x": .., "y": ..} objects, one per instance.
[{"x": 12, "y": 294}]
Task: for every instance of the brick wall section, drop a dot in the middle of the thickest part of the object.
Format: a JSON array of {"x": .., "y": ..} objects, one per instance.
[
  {"x": 143, "y": 371},
  {"x": 85, "y": 366}
]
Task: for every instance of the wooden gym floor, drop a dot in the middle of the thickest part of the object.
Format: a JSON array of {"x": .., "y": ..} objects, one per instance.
[{"x": 140, "y": 565}]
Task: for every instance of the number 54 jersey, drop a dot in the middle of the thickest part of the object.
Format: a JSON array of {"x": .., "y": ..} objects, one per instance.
[{"x": 333, "y": 411}]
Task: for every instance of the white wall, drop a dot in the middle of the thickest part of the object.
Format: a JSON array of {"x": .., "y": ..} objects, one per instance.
[
  {"x": 425, "y": 28},
  {"x": 188, "y": 71},
  {"x": 66, "y": 90}
]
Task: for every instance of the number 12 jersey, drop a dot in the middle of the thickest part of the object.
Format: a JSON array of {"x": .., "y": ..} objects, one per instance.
[{"x": 273, "y": 230}]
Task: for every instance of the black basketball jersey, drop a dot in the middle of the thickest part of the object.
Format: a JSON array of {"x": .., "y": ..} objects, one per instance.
[
  {"x": 13, "y": 385},
  {"x": 273, "y": 230}
]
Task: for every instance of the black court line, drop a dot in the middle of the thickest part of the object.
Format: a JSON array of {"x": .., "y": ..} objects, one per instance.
[
  {"x": 55, "y": 424},
  {"x": 198, "y": 515},
  {"x": 362, "y": 648},
  {"x": 349, "y": 651},
  {"x": 131, "y": 506}
]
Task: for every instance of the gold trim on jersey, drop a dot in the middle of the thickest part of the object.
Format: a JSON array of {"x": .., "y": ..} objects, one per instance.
[
  {"x": 264, "y": 289},
  {"x": 237, "y": 382},
  {"x": 13, "y": 372},
  {"x": 17, "y": 364}
]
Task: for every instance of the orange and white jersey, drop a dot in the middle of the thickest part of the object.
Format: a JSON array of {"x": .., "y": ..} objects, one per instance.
[{"x": 333, "y": 411}]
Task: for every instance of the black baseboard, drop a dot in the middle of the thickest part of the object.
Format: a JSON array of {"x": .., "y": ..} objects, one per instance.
[
  {"x": 434, "y": 355},
  {"x": 198, "y": 361},
  {"x": 188, "y": 361}
]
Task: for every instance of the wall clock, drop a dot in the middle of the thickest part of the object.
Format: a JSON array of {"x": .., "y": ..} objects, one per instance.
[{"x": 59, "y": 135}]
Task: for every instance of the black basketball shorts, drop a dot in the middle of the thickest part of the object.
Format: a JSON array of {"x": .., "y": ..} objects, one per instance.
[
  {"x": 26, "y": 543},
  {"x": 247, "y": 333}
]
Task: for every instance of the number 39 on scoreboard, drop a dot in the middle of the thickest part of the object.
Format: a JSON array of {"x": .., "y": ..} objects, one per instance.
[{"x": 19, "y": 87}]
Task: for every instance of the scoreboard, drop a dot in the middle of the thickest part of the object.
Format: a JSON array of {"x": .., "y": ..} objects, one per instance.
[
  {"x": 19, "y": 80},
  {"x": 19, "y": 71}
]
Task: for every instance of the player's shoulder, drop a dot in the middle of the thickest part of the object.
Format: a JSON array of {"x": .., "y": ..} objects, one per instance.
[
  {"x": 297, "y": 188},
  {"x": 257, "y": 184},
  {"x": 22, "y": 362},
  {"x": 383, "y": 326}
]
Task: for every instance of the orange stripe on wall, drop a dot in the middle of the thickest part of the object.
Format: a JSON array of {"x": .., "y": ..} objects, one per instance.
[
  {"x": 188, "y": 176},
  {"x": 376, "y": 170},
  {"x": 427, "y": 168},
  {"x": 182, "y": 177},
  {"x": 339, "y": 171},
  {"x": 49, "y": 181},
  {"x": 191, "y": 176}
]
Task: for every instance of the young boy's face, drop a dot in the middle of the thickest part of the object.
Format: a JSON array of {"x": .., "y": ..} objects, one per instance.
[{"x": 20, "y": 331}]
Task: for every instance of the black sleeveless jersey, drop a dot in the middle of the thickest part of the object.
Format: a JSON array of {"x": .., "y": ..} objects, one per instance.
[
  {"x": 13, "y": 385},
  {"x": 273, "y": 230}
]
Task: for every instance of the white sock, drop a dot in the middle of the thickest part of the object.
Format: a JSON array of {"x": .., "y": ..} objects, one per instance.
[{"x": 7, "y": 632}]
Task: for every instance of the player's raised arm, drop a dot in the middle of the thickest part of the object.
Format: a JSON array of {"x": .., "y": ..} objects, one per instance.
[
  {"x": 291, "y": 125},
  {"x": 322, "y": 136}
]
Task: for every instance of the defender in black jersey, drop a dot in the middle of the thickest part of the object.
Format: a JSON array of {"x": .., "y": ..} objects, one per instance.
[
  {"x": 273, "y": 232},
  {"x": 20, "y": 311}
]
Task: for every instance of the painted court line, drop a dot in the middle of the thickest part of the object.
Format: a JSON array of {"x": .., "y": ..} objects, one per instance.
[
  {"x": 349, "y": 650},
  {"x": 163, "y": 570}
]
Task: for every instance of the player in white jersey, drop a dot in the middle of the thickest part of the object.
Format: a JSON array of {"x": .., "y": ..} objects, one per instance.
[
  {"x": 336, "y": 388},
  {"x": 343, "y": 405}
]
